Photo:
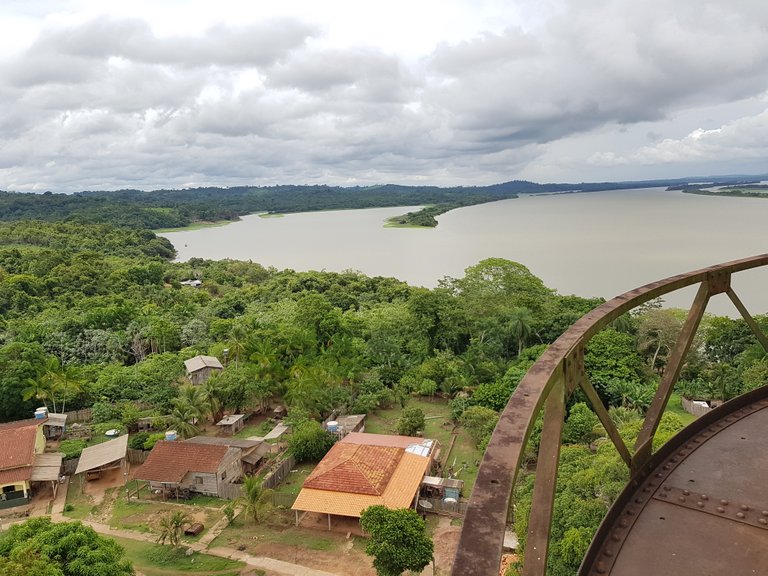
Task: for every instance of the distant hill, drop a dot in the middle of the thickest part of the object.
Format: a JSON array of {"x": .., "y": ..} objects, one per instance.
[{"x": 178, "y": 208}]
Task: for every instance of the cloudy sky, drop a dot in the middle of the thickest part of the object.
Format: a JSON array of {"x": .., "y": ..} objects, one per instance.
[{"x": 100, "y": 94}]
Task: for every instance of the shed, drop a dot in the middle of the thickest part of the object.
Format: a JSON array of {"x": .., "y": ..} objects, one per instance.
[
  {"x": 105, "y": 456},
  {"x": 276, "y": 433},
  {"x": 47, "y": 468},
  {"x": 348, "y": 423},
  {"x": 435, "y": 486},
  {"x": 54, "y": 426},
  {"x": 231, "y": 424},
  {"x": 200, "y": 368}
]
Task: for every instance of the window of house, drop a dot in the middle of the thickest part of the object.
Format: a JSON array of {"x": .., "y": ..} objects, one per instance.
[
  {"x": 224, "y": 475},
  {"x": 198, "y": 479}
]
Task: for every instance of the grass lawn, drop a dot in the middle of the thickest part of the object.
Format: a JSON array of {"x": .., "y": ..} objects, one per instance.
[
  {"x": 77, "y": 505},
  {"x": 292, "y": 483},
  {"x": 438, "y": 425},
  {"x": 156, "y": 560},
  {"x": 675, "y": 406},
  {"x": 244, "y": 531},
  {"x": 255, "y": 430},
  {"x": 145, "y": 516}
]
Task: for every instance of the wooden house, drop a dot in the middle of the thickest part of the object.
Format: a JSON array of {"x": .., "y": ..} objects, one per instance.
[
  {"x": 23, "y": 463},
  {"x": 183, "y": 468},
  {"x": 200, "y": 368},
  {"x": 231, "y": 424}
]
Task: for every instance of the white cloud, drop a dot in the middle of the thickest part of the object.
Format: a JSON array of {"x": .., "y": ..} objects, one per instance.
[{"x": 110, "y": 94}]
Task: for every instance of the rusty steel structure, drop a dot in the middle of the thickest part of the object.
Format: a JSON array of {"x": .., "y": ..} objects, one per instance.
[{"x": 675, "y": 495}]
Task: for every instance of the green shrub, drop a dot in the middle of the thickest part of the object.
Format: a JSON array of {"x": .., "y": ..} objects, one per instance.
[{"x": 72, "y": 448}]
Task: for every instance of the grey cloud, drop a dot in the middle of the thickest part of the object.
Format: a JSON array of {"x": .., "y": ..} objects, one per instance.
[
  {"x": 252, "y": 45},
  {"x": 600, "y": 64}
]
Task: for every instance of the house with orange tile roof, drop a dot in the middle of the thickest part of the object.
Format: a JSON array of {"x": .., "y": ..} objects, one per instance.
[
  {"x": 363, "y": 470},
  {"x": 180, "y": 468},
  {"x": 22, "y": 461}
]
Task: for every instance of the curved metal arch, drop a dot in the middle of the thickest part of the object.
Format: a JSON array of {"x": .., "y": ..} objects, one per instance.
[{"x": 545, "y": 386}]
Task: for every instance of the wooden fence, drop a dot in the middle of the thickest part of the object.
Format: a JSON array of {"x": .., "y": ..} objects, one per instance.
[
  {"x": 137, "y": 456},
  {"x": 69, "y": 466},
  {"x": 439, "y": 506},
  {"x": 276, "y": 476},
  {"x": 84, "y": 415},
  {"x": 230, "y": 491}
]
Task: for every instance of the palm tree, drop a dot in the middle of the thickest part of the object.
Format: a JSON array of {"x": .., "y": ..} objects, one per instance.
[
  {"x": 237, "y": 341},
  {"x": 212, "y": 397},
  {"x": 61, "y": 380},
  {"x": 520, "y": 320},
  {"x": 184, "y": 418},
  {"x": 172, "y": 527},
  {"x": 256, "y": 500}
]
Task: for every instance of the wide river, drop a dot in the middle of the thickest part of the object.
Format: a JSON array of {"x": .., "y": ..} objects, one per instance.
[{"x": 593, "y": 244}]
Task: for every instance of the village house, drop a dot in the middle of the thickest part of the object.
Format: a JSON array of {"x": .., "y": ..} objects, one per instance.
[
  {"x": 183, "y": 468},
  {"x": 363, "y": 470},
  {"x": 23, "y": 462},
  {"x": 231, "y": 424},
  {"x": 200, "y": 368},
  {"x": 252, "y": 452}
]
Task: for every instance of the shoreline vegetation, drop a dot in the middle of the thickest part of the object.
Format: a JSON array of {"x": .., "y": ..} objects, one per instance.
[
  {"x": 167, "y": 210},
  {"x": 749, "y": 191}
]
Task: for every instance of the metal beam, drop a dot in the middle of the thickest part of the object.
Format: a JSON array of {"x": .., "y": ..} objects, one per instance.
[
  {"x": 540, "y": 521},
  {"x": 644, "y": 444},
  {"x": 748, "y": 319},
  {"x": 605, "y": 420}
]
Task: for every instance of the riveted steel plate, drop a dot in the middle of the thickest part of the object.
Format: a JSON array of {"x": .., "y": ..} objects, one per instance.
[{"x": 702, "y": 510}]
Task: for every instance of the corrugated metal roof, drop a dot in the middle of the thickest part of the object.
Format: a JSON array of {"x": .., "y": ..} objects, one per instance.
[
  {"x": 391, "y": 440},
  {"x": 276, "y": 432},
  {"x": 242, "y": 443},
  {"x": 102, "y": 454},
  {"x": 47, "y": 467},
  {"x": 200, "y": 362},
  {"x": 229, "y": 420}
]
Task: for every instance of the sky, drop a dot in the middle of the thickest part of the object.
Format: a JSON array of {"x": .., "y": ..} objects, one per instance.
[{"x": 101, "y": 94}]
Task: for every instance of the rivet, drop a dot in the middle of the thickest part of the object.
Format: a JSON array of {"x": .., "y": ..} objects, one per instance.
[
  {"x": 688, "y": 445},
  {"x": 608, "y": 552},
  {"x": 616, "y": 537},
  {"x": 638, "y": 500},
  {"x": 762, "y": 521},
  {"x": 764, "y": 512},
  {"x": 711, "y": 428},
  {"x": 724, "y": 502},
  {"x": 665, "y": 467},
  {"x": 624, "y": 523},
  {"x": 630, "y": 512},
  {"x": 700, "y": 504},
  {"x": 667, "y": 487},
  {"x": 740, "y": 514},
  {"x": 704, "y": 497},
  {"x": 646, "y": 489},
  {"x": 659, "y": 475},
  {"x": 744, "y": 507},
  {"x": 673, "y": 460},
  {"x": 682, "y": 498},
  {"x": 686, "y": 492},
  {"x": 681, "y": 452},
  {"x": 600, "y": 568},
  {"x": 662, "y": 494},
  {"x": 720, "y": 509},
  {"x": 696, "y": 441}
]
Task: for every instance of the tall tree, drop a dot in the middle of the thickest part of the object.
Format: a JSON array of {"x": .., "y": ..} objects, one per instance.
[{"x": 398, "y": 540}]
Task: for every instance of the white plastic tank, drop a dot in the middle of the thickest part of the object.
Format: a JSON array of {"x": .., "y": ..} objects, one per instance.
[
  {"x": 41, "y": 412},
  {"x": 171, "y": 435},
  {"x": 332, "y": 426}
]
